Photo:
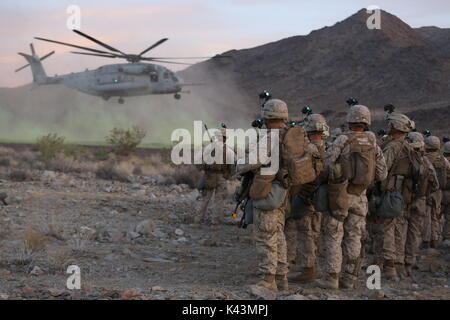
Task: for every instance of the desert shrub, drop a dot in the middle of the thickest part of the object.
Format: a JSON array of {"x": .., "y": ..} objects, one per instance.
[
  {"x": 62, "y": 163},
  {"x": 124, "y": 141},
  {"x": 101, "y": 155},
  {"x": 109, "y": 171},
  {"x": 19, "y": 175},
  {"x": 49, "y": 146},
  {"x": 33, "y": 240}
]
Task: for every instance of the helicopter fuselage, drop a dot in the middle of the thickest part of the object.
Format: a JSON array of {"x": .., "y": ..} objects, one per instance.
[{"x": 122, "y": 80}]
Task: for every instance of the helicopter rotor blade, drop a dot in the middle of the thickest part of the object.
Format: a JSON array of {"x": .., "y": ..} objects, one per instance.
[
  {"x": 98, "y": 42},
  {"x": 72, "y": 45},
  {"x": 44, "y": 57},
  {"x": 21, "y": 68},
  {"x": 96, "y": 54},
  {"x": 47, "y": 55},
  {"x": 163, "y": 61},
  {"x": 153, "y": 46},
  {"x": 181, "y": 58}
]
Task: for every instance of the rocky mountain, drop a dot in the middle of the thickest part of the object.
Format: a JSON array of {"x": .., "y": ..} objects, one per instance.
[{"x": 395, "y": 64}]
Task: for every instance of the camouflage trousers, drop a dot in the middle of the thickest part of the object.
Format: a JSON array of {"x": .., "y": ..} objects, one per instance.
[
  {"x": 215, "y": 203},
  {"x": 394, "y": 239},
  {"x": 342, "y": 239},
  {"x": 432, "y": 223},
  {"x": 302, "y": 239},
  {"x": 446, "y": 213},
  {"x": 414, "y": 227},
  {"x": 270, "y": 241}
]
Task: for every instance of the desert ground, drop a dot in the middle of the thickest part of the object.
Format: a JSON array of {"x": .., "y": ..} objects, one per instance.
[{"x": 127, "y": 222}]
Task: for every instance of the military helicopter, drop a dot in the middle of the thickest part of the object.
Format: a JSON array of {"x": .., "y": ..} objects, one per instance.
[{"x": 114, "y": 80}]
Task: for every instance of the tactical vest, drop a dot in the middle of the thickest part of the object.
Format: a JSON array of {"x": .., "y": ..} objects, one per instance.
[
  {"x": 358, "y": 165},
  {"x": 403, "y": 175},
  {"x": 297, "y": 165}
]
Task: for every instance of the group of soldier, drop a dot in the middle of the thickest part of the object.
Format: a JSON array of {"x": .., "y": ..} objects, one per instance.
[{"x": 393, "y": 191}]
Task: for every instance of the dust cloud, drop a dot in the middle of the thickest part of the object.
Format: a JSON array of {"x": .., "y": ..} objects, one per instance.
[{"x": 28, "y": 112}]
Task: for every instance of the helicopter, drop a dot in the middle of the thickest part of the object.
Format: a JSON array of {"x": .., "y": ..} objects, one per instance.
[{"x": 134, "y": 78}]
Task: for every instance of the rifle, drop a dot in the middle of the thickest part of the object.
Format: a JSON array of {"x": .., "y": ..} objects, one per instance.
[
  {"x": 242, "y": 196},
  {"x": 210, "y": 138}
]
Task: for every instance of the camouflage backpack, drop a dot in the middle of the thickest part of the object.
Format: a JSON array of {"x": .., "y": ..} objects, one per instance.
[
  {"x": 358, "y": 165},
  {"x": 299, "y": 164}
]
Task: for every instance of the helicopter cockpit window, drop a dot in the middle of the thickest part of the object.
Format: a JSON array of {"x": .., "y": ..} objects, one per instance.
[
  {"x": 166, "y": 75},
  {"x": 174, "y": 78},
  {"x": 154, "y": 77}
]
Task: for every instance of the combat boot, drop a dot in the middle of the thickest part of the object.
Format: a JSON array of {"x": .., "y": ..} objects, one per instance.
[
  {"x": 389, "y": 271},
  {"x": 308, "y": 274},
  {"x": 268, "y": 281},
  {"x": 331, "y": 281},
  {"x": 282, "y": 282},
  {"x": 401, "y": 271},
  {"x": 348, "y": 281}
]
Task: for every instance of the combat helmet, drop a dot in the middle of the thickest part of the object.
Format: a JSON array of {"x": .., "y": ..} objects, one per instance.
[
  {"x": 432, "y": 143},
  {"x": 400, "y": 122},
  {"x": 446, "y": 148},
  {"x": 359, "y": 114},
  {"x": 416, "y": 140},
  {"x": 316, "y": 122},
  {"x": 275, "y": 109}
]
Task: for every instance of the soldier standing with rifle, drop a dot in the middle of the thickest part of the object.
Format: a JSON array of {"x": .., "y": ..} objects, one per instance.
[{"x": 216, "y": 178}]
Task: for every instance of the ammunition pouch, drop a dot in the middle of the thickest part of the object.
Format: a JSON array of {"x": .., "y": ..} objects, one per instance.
[
  {"x": 391, "y": 205},
  {"x": 338, "y": 196},
  {"x": 261, "y": 186},
  {"x": 274, "y": 199}
]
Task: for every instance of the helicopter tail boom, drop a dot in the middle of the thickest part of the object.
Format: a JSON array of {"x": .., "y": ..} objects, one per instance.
[{"x": 34, "y": 62}]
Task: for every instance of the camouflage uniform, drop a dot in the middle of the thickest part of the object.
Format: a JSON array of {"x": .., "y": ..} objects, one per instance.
[
  {"x": 343, "y": 235},
  {"x": 268, "y": 226},
  {"x": 303, "y": 235},
  {"x": 434, "y": 200},
  {"x": 216, "y": 189},
  {"x": 446, "y": 198},
  {"x": 428, "y": 183},
  {"x": 351, "y": 230},
  {"x": 396, "y": 152}
]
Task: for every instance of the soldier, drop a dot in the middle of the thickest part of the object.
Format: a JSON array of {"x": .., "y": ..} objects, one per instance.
[
  {"x": 349, "y": 177},
  {"x": 428, "y": 183},
  {"x": 397, "y": 153},
  {"x": 446, "y": 197},
  {"x": 442, "y": 167},
  {"x": 302, "y": 234},
  {"x": 216, "y": 181},
  {"x": 268, "y": 224}
]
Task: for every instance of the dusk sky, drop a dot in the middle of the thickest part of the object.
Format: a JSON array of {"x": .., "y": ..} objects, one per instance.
[{"x": 193, "y": 27}]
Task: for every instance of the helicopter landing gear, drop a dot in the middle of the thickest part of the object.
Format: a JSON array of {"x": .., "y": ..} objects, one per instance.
[
  {"x": 121, "y": 101},
  {"x": 177, "y": 96}
]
